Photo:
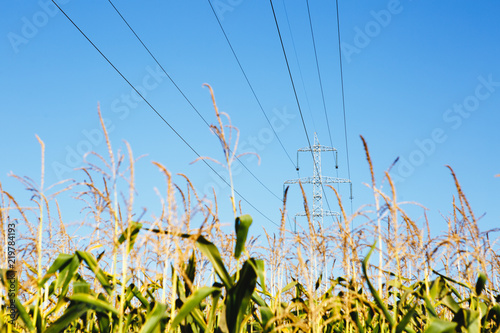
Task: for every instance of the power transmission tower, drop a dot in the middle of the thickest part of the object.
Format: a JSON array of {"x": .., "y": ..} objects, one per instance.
[{"x": 317, "y": 180}]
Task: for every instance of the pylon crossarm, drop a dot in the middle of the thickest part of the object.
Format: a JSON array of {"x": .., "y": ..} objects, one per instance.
[
  {"x": 305, "y": 180},
  {"x": 317, "y": 148},
  {"x": 312, "y": 180},
  {"x": 325, "y": 213},
  {"x": 329, "y": 180},
  {"x": 330, "y": 213}
]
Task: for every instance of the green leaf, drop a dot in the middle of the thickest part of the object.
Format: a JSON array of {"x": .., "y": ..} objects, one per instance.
[
  {"x": 258, "y": 300},
  {"x": 212, "y": 316},
  {"x": 61, "y": 262},
  {"x": 241, "y": 226},
  {"x": 440, "y": 326},
  {"x": 481, "y": 282},
  {"x": 494, "y": 312},
  {"x": 191, "y": 303},
  {"x": 94, "y": 267},
  {"x": 132, "y": 231},
  {"x": 81, "y": 287},
  {"x": 198, "y": 317},
  {"x": 450, "y": 302},
  {"x": 213, "y": 255},
  {"x": 154, "y": 318},
  {"x": 190, "y": 273},
  {"x": 137, "y": 293},
  {"x": 452, "y": 280},
  {"x": 222, "y": 323},
  {"x": 67, "y": 274},
  {"x": 374, "y": 292},
  {"x": 103, "y": 319},
  {"x": 72, "y": 313},
  {"x": 94, "y": 303},
  {"x": 289, "y": 286},
  {"x": 24, "y": 315},
  {"x": 318, "y": 282},
  {"x": 266, "y": 315},
  {"x": 239, "y": 296},
  {"x": 355, "y": 316},
  {"x": 261, "y": 273},
  {"x": 406, "y": 319},
  {"x": 468, "y": 319}
]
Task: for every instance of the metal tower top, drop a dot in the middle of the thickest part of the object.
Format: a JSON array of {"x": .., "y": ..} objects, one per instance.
[{"x": 317, "y": 180}]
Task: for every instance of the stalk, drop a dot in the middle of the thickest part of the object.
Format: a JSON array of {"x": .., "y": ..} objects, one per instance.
[
  {"x": 377, "y": 207},
  {"x": 172, "y": 297},
  {"x": 126, "y": 246},
  {"x": 40, "y": 232},
  {"x": 114, "y": 211}
]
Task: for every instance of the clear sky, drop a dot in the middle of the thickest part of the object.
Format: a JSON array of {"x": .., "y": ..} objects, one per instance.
[{"x": 421, "y": 79}]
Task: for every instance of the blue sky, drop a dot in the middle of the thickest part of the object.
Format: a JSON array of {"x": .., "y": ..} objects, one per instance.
[{"x": 421, "y": 79}]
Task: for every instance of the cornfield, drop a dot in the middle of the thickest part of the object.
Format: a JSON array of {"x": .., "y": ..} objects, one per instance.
[{"x": 159, "y": 274}]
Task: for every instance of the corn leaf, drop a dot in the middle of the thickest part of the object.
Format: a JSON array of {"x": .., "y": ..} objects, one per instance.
[
  {"x": 131, "y": 231},
  {"x": 239, "y": 296},
  {"x": 468, "y": 319},
  {"x": 72, "y": 313},
  {"x": 213, "y": 310},
  {"x": 440, "y": 326},
  {"x": 481, "y": 283},
  {"x": 154, "y": 318},
  {"x": 374, "y": 292},
  {"x": 406, "y": 319},
  {"x": 23, "y": 314},
  {"x": 241, "y": 226},
  {"x": 94, "y": 303},
  {"x": 94, "y": 267},
  {"x": 191, "y": 303},
  {"x": 213, "y": 255}
]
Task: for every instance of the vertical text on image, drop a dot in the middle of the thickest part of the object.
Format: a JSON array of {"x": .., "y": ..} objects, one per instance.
[{"x": 11, "y": 275}]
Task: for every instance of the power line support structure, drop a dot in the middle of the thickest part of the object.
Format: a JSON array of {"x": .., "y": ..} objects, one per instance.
[{"x": 318, "y": 181}]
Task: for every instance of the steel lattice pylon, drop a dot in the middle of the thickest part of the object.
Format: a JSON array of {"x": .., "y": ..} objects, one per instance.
[{"x": 318, "y": 181}]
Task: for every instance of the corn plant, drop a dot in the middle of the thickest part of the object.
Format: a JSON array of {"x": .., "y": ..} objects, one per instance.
[{"x": 158, "y": 274}]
